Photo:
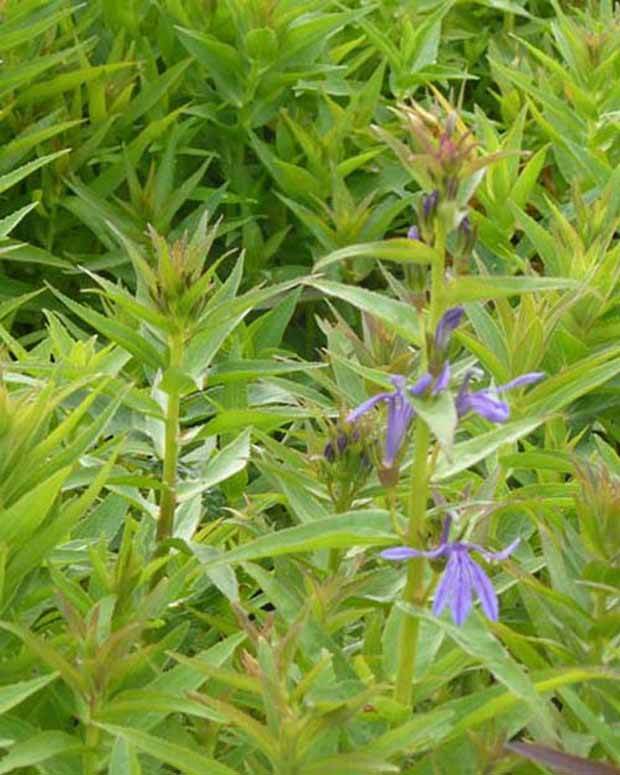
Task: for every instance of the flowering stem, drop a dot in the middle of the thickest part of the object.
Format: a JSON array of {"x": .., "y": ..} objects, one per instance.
[
  {"x": 414, "y": 587},
  {"x": 167, "y": 504},
  {"x": 418, "y": 496}
]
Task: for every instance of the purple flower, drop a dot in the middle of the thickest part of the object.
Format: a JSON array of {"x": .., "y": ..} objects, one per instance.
[
  {"x": 400, "y": 415},
  {"x": 413, "y": 233},
  {"x": 486, "y": 402},
  {"x": 461, "y": 577}
]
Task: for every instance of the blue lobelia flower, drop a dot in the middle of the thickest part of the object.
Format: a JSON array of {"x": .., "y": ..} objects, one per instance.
[
  {"x": 461, "y": 577},
  {"x": 400, "y": 415},
  {"x": 486, "y": 402}
]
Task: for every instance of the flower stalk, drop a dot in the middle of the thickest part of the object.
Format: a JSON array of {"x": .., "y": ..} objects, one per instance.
[{"x": 414, "y": 586}]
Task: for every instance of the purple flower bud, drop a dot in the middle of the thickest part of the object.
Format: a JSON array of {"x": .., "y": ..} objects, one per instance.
[
  {"x": 429, "y": 204},
  {"x": 413, "y": 233},
  {"x": 329, "y": 453},
  {"x": 450, "y": 320}
]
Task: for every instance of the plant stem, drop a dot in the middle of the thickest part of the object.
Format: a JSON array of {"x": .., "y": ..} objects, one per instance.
[
  {"x": 438, "y": 270},
  {"x": 167, "y": 504},
  {"x": 90, "y": 754},
  {"x": 414, "y": 587},
  {"x": 418, "y": 496}
]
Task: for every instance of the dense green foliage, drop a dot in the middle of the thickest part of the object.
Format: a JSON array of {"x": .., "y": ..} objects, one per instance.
[{"x": 203, "y": 217}]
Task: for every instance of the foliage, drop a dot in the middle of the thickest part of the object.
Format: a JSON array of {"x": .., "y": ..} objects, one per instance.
[{"x": 226, "y": 394}]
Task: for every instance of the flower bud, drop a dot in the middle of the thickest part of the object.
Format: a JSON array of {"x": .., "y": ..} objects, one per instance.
[
  {"x": 428, "y": 211},
  {"x": 465, "y": 241}
]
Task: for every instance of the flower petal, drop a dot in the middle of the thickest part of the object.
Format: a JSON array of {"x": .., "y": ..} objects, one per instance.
[
  {"x": 483, "y": 403},
  {"x": 443, "y": 380},
  {"x": 400, "y": 553},
  {"x": 462, "y": 597},
  {"x": 399, "y": 382},
  {"x": 400, "y": 414},
  {"x": 421, "y": 384},
  {"x": 501, "y": 555},
  {"x": 484, "y": 590},
  {"x": 366, "y": 406},
  {"x": 525, "y": 379},
  {"x": 446, "y": 587}
]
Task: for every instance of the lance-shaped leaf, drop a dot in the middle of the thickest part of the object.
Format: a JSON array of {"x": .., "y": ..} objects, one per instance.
[
  {"x": 400, "y": 316},
  {"x": 186, "y": 760},
  {"x": 401, "y": 250}
]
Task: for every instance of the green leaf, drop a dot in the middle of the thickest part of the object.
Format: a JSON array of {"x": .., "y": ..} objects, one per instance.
[
  {"x": 24, "y": 30},
  {"x": 226, "y": 463},
  {"x": 403, "y": 318},
  {"x": 349, "y": 764},
  {"x": 22, "y": 520},
  {"x": 471, "y": 288},
  {"x": 560, "y": 390},
  {"x": 187, "y": 760},
  {"x": 228, "y": 420},
  {"x": 403, "y": 251},
  {"x": 38, "y": 749},
  {"x": 467, "y": 453},
  {"x": 124, "y": 336},
  {"x": 11, "y": 178},
  {"x": 366, "y": 527},
  {"x": 439, "y": 413},
  {"x": 13, "y": 694},
  {"x": 475, "y": 639},
  {"x": 63, "y": 82},
  {"x": 145, "y": 701},
  {"x": 422, "y": 732},
  {"x": 222, "y": 61},
  {"x": 153, "y": 92},
  {"x": 492, "y": 703},
  {"x": 49, "y": 655},
  {"x": 10, "y": 222}
]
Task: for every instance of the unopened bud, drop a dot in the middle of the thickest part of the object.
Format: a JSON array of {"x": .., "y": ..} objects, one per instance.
[
  {"x": 465, "y": 241},
  {"x": 429, "y": 204},
  {"x": 427, "y": 214}
]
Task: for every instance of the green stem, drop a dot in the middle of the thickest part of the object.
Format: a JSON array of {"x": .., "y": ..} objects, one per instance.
[
  {"x": 168, "y": 502},
  {"x": 414, "y": 587},
  {"x": 438, "y": 271},
  {"x": 89, "y": 758},
  {"x": 418, "y": 496}
]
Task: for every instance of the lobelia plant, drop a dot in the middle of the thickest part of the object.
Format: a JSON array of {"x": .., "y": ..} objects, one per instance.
[{"x": 449, "y": 163}]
